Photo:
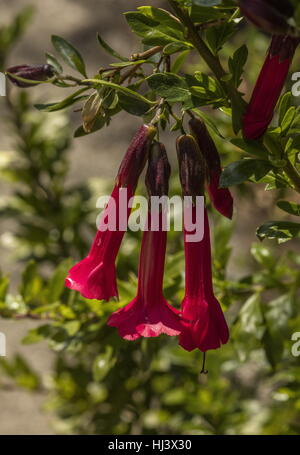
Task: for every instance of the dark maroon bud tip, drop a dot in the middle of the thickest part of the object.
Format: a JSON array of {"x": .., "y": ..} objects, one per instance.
[
  {"x": 158, "y": 172},
  {"x": 191, "y": 166},
  {"x": 265, "y": 16},
  {"x": 282, "y": 6},
  {"x": 136, "y": 156},
  {"x": 283, "y": 46},
  {"x": 31, "y": 73},
  {"x": 206, "y": 144}
]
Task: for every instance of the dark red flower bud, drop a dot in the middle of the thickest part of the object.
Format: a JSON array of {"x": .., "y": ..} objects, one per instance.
[
  {"x": 220, "y": 197},
  {"x": 191, "y": 166},
  {"x": 265, "y": 16},
  {"x": 158, "y": 172},
  {"x": 136, "y": 156},
  {"x": 282, "y": 6},
  {"x": 33, "y": 73},
  {"x": 269, "y": 85}
]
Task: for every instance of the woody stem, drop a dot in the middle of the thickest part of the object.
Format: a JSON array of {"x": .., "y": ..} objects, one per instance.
[{"x": 211, "y": 60}]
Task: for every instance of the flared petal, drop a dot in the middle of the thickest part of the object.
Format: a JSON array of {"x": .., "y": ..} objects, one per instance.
[
  {"x": 137, "y": 319},
  {"x": 204, "y": 324}
]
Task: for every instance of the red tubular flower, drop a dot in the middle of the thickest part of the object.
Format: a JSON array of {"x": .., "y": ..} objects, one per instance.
[
  {"x": 268, "y": 87},
  {"x": 207, "y": 328},
  {"x": 149, "y": 314},
  {"x": 204, "y": 325},
  {"x": 221, "y": 198},
  {"x": 95, "y": 276}
]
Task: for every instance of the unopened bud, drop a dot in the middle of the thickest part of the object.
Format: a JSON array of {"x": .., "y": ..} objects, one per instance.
[
  {"x": 265, "y": 16},
  {"x": 191, "y": 166},
  {"x": 284, "y": 47},
  {"x": 207, "y": 146},
  {"x": 221, "y": 198},
  {"x": 136, "y": 156},
  {"x": 158, "y": 172},
  {"x": 282, "y": 6},
  {"x": 32, "y": 73}
]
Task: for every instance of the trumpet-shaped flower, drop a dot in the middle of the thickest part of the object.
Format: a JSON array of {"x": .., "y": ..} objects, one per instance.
[
  {"x": 149, "y": 314},
  {"x": 95, "y": 276}
]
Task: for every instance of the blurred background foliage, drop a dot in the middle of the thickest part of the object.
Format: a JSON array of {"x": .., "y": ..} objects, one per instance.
[{"x": 101, "y": 384}]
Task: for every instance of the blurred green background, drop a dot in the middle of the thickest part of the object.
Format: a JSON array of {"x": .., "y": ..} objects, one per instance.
[{"x": 74, "y": 375}]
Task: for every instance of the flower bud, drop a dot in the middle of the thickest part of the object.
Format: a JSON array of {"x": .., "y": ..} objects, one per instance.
[
  {"x": 191, "y": 166},
  {"x": 283, "y": 47},
  {"x": 158, "y": 172},
  {"x": 268, "y": 87},
  {"x": 221, "y": 198},
  {"x": 136, "y": 156},
  {"x": 33, "y": 73},
  {"x": 265, "y": 16},
  {"x": 283, "y": 7},
  {"x": 206, "y": 144}
]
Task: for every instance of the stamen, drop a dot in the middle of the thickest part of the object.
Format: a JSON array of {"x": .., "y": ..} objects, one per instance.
[{"x": 203, "y": 370}]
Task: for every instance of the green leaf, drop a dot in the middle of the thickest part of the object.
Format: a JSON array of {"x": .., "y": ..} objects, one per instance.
[
  {"x": 240, "y": 171},
  {"x": 284, "y": 104},
  {"x": 39, "y": 334},
  {"x": 200, "y": 14},
  {"x": 251, "y": 317},
  {"x": 72, "y": 327},
  {"x": 172, "y": 48},
  {"x": 70, "y": 55},
  {"x": 133, "y": 105},
  {"x": 69, "y": 101},
  {"x": 206, "y": 89},
  {"x": 273, "y": 343},
  {"x": 263, "y": 255},
  {"x": 167, "y": 23},
  {"x": 170, "y": 86},
  {"x": 151, "y": 30},
  {"x": 56, "y": 284},
  {"x": 109, "y": 49},
  {"x": 274, "y": 181},
  {"x": 236, "y": 64},
  {"x": 290, "y": 207},
  {"x": 218, "y": 35},
  {"x": 31, "y": 285},
  {"x": 280, "y": 230},
  {"x": 98, "y": 125},
  {"x": 292, "y": 147},
  {"x": 179, "y": 61},
  {"x": 51, "y": 60},
  {"x": 255, "y": 148},
  {"x": 288, "y": 120}
]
